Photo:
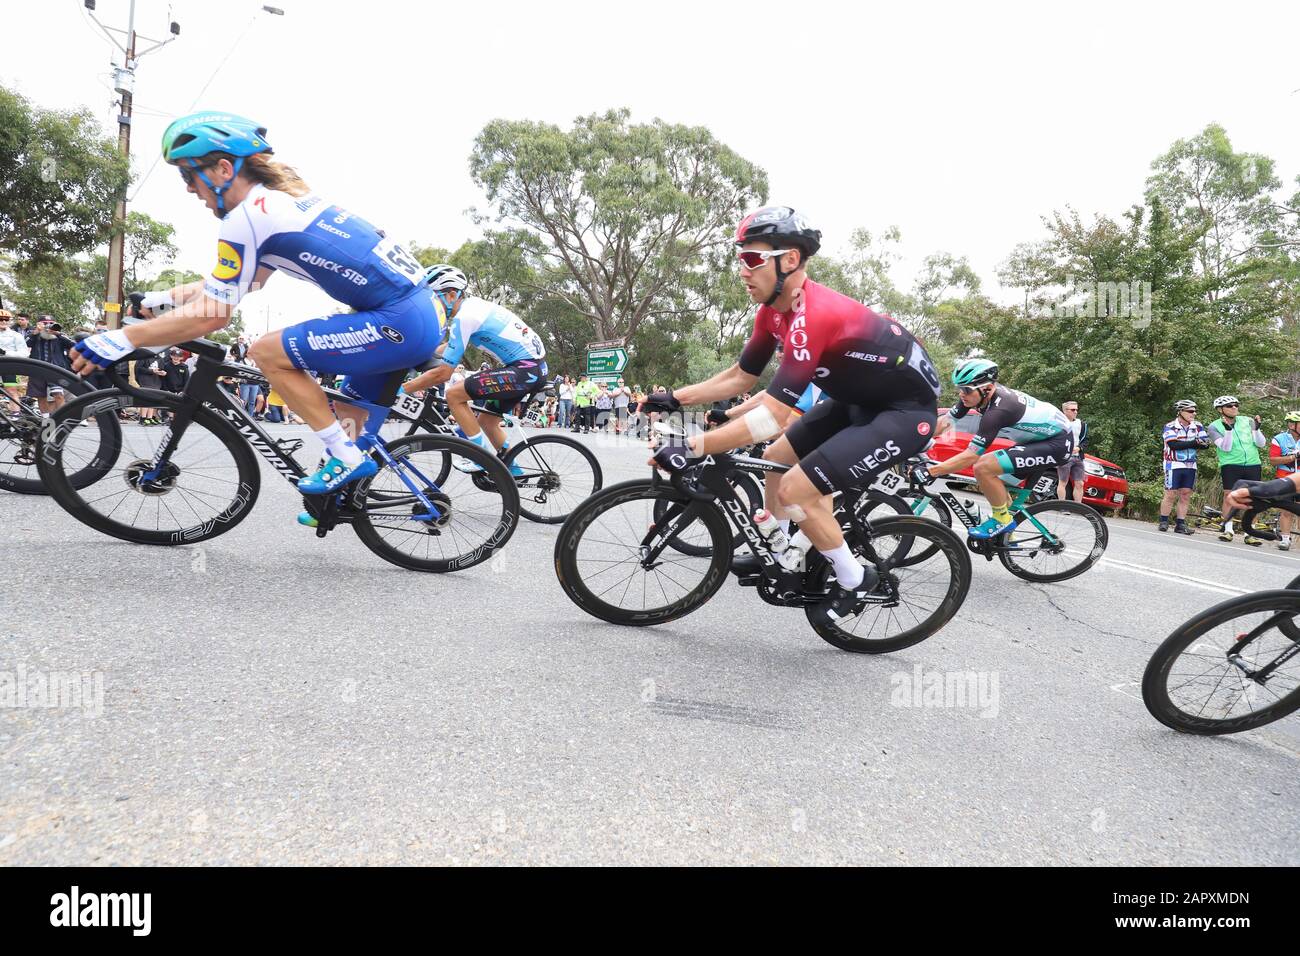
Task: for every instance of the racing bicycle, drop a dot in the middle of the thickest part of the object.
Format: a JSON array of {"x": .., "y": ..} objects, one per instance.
[
  {"x": 1235, "y": 666},
  {"x": 198, "y": 477},
  {"x": 553, "y": 473},
  {"x": 1049, "y": 539},
  {"x": 653, "y": 550},
  {"x": 21, "y": 422}
]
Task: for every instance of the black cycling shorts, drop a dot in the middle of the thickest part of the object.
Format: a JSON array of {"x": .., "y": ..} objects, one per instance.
[
  {"x": 499, "y": 389},
  {"x": 1024, "y": 460},
  {"x": 1232, "y": 474},
  {"x": 844, "y": 446}
]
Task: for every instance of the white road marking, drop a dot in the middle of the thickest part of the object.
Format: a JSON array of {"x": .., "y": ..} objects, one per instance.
[{"x": 1174, "y": 577}]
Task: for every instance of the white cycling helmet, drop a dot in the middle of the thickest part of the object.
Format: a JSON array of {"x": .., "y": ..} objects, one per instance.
[
  {"x": 1184, "y": 404},
  {"x": 1223, "y": 400},
  {"x": 445, "y": 278}
]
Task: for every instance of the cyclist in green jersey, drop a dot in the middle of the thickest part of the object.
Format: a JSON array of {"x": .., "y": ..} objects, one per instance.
[
  {"x": 1041, "y": 433},
  {"x": 1237, "y": 440}
]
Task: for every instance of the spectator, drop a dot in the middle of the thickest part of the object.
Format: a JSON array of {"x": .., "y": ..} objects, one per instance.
[
  {"x": 147, "y": 374},
  {"x": 1237, "y": 441},
  {"x": 604, "y": 402},
  {"x": 564, "y": 413},
  {"x": 175, "y": 373},
  {"x": 22, "y": 324},
  {"x": 1182, "y": 437},
  {"x": 248, "y": 391},
  {"x": 621, "y": 395},
  {"x": 636, "y": 421},
  {"x": 13, "y": 345},
  {"x": 12, "y": 342},
  {"x": 48, "y": 344},
  {"x": 1284, "y": 453},
  {"x": 1072, "y": 471},
  {"x": 584, "y": 398}
]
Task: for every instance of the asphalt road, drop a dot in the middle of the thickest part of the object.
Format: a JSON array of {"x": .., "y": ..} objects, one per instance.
[{"x": 268, "y": 697}]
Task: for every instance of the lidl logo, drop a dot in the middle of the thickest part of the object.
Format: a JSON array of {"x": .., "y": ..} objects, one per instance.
[{"x": 230, "y": 261}]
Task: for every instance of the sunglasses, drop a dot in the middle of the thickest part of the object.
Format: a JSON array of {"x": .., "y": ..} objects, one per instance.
[
  {"x": 188, "y": 172},
  {"x": 968, "y": 389},
  {"x": 757, "y": 258}
]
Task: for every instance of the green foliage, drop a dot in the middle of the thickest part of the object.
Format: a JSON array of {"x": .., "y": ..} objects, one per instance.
[
  {"x": 623, "y": 212},
  {"x": 60, "y": 178}
]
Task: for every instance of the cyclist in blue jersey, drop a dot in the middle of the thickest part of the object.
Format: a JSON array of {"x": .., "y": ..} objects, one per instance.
[
  {"x": 497, "y": 331},
  {"x": 271, "y": 221}
]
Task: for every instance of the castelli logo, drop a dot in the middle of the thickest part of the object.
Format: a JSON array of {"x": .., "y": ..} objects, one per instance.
[{"x": 923, "y": 428}]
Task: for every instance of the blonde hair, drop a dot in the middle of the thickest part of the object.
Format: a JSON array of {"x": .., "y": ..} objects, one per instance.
[
  {"x": 261, "y": 168},
  {"x": 274, "y": 174}
]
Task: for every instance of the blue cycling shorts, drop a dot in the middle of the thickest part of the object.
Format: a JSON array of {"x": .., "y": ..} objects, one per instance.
[{"x": 368, "y": 347}]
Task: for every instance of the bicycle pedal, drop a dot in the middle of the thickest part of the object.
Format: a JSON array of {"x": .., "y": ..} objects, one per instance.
[{"x": 749, "y": 581}]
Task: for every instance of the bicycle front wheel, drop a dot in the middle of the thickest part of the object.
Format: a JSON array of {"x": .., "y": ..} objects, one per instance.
[
  {"x": 1076, "y": 539},
  {"x": 203, "y": 488},
  {"x": 554, "y": 475},
  {"x": 21, "y": 425},
  {"x": 617, "y": 557},
  {"x": 475, "y": 505},
  {"x": 913, "y": 599},
  {"x": 1207, "y": 679}
]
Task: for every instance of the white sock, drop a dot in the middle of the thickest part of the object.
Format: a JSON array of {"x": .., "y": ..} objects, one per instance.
[
  {"x": 847, "y": 570},
  {"x": 1227, "y": 526},
  {"x": 480, "y": 438},
  {"x": 338, "y": 445}
]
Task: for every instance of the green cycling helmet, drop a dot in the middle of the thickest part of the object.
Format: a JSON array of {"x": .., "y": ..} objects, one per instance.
[
  {"x": 975, "y": 372},
  {"x": 1292, "y": 417}
]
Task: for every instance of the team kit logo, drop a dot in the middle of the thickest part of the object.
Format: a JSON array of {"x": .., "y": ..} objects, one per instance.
[{"x": 230, "y": 261}]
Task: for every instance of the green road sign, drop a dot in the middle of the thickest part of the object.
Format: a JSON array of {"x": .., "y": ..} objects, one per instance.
[{"x": 606, "y": 362}]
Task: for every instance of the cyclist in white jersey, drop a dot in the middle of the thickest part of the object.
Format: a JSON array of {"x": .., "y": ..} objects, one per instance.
[
  {"x": 500, "y": 333},
  {"x": 271, "y": 221}
]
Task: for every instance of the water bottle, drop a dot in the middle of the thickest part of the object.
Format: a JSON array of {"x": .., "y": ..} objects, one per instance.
[{"x": 770, "y": 529}]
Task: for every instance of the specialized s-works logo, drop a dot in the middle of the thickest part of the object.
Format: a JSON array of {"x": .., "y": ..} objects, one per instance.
[{"x": 230, "y": 261}]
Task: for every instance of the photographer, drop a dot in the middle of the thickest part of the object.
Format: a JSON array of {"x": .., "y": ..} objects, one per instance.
[{"x": 48, "y": 344}]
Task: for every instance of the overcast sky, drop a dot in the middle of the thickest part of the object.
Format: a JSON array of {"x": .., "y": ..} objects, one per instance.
[{"x": 962, "y": 123}]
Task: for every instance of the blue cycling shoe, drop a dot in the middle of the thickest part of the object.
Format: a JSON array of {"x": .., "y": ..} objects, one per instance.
[
  {"x": 334, "y": 475},
  {"x": 991, "y": 528},
  {"x": 307, "y": 519},
  {"x": 516, "y": 471}
]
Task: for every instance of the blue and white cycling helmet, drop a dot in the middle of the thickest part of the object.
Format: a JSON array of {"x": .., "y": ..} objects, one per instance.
[
  {"x": 445, "y": 278},
  {"x": 192, "y": 137}
]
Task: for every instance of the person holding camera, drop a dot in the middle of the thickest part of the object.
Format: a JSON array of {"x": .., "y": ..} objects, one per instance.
[{"x": 48, "y": 344}]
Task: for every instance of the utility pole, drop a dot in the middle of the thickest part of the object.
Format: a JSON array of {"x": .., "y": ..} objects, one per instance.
[{"x": 124, "y": 85}]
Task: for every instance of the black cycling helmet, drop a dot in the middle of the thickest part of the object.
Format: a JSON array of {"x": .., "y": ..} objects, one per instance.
[{"x": 782, "y": 227}]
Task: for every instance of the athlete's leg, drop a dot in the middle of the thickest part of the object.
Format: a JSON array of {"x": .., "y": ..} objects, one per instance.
[
  {"x": 299, "y": 389},
  {"x": 988, "y": 476},
  {"x": 781, "y": 452},
  {"x": 458, "y": 404}
]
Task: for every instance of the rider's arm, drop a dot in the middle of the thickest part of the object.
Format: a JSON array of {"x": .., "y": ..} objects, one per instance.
[
  {"x": 725, "y": 384},
  {"x": 957, "y": 462},
  {"x": 430, "y": 379},
  {"x": 737, "y": 432}
]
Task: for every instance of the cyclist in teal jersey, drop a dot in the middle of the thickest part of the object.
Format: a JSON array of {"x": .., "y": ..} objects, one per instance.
[
  {"x": 1041, "y": 433},
  {"x": 1283, "y": 453}
]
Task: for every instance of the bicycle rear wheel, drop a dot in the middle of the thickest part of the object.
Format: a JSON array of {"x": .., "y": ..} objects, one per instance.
[
  {"x": 476, "y": 512},
  {"x": 558, "y": 474},
  {"x": 915, "y": 600},
  {"x": 21, "y": 424},
  {"x": 617, "y": 561},
  {"x": 207, "y": 485},
  {"x": 1202, "y": 678},
  {"x": 1078, "y": 540}
]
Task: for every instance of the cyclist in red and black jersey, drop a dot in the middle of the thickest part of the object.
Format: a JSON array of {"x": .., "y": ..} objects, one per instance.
[{"x": 879, "y": 385}]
